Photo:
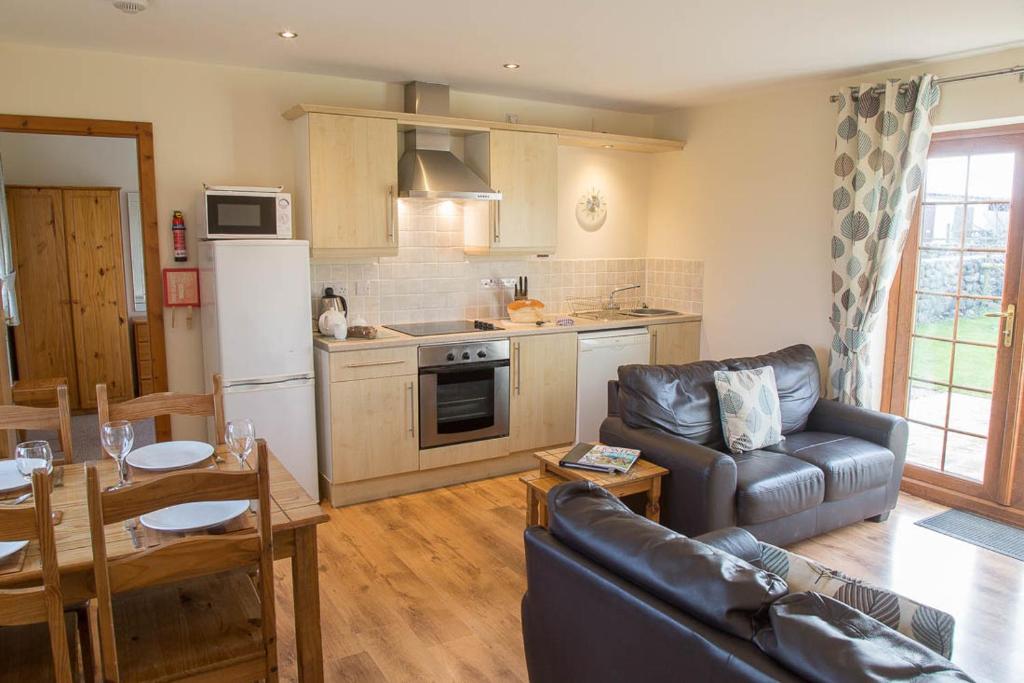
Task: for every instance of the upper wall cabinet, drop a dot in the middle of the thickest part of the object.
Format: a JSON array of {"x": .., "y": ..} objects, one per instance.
[
  {"x": 524, "y": 168},
  {"x": 347, "y": 185}
]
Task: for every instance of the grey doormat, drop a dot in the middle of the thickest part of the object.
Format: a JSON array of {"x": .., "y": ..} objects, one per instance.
[{"x": 996, "y": 536}]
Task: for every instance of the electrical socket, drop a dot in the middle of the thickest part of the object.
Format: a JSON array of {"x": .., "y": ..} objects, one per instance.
[
  {"x": 362, "y": 287},
  {"x": 338, "y": 287},
  {"x": 498, "y": 282}
]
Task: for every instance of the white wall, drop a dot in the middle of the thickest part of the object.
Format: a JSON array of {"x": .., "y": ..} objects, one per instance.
[
  {"x": 39, "y": 160},
  {"x": 751, "y": 197},
  {"x": 221, "y": 124}
]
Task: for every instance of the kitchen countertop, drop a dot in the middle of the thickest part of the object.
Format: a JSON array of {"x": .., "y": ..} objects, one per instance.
[{"x": 389, "y": 338}]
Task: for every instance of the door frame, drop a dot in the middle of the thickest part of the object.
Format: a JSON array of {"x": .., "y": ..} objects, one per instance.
[
  {"x": 142, "y": 133},
  {"x": 1001, "y": 477}
]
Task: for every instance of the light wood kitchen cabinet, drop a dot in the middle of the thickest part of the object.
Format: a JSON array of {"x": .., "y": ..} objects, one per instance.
[
  {"x": 542, "y": 411},
  {"x": 524, "y": 168},
  {"x": 347, "y": 185},
  {"x": 375, "y": 428},
  {"x": 675, "y": 343}
]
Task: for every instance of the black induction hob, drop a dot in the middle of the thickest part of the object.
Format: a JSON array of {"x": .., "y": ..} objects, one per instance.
[{"x": 442, "y": 327}]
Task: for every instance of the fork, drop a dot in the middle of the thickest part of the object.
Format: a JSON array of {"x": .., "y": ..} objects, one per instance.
[
  {"x": 17, "y": 501},
  {"x": 133, "y": 533}
]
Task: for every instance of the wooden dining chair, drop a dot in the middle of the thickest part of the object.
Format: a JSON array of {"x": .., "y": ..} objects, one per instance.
[
  {"x": 166, "y": 403},
  {"x": 34, "y": 629},
  {"x": 56, "y": 419},
  {"x": 186, "y": 608}
]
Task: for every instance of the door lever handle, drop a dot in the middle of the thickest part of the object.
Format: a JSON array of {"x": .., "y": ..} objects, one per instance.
[{"x": 1010, "y": 315}]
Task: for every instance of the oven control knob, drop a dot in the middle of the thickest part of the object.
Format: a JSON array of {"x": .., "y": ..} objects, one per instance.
[
  {"x": 465, "y": 355},
  {"x": 451, "y": 356},
  {"x": 481, "y": 354}
]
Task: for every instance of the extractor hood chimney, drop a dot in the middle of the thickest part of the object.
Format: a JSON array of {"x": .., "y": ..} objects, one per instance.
[{"x": 428, "y": 169}]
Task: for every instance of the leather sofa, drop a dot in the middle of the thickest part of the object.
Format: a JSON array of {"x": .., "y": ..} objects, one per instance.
[
  {"x": 612, "y": 596},
  {"x": 837, "y": 465}
]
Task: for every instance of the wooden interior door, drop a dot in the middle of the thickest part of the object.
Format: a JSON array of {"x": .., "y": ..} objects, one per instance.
[
  {"x": 44, "y": 344},
  {"x": 99, "y": 312},
  {"x": 957, "y": 350}
]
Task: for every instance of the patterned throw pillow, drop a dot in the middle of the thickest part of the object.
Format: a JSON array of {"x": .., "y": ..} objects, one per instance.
[
  {"x": 751, "y": 417},
  {"x": 931, "y": 627}
]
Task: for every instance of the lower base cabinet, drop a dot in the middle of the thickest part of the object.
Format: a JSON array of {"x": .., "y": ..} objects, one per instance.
[
  {"x": 542, "y": 411},
  {"x": 675, "y": 343},
  {"x": 375, "y": 428}
]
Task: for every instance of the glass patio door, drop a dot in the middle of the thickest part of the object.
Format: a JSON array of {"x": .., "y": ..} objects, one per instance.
[{"x": 957, "y": 335}]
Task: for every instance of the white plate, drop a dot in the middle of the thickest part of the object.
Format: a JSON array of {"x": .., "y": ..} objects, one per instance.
[
  {"x": 169, "y": 455},
  {"x": 194, "y": 516},
  {"x": 8, "y": 548},
  {"x": 10, "y": 477}
]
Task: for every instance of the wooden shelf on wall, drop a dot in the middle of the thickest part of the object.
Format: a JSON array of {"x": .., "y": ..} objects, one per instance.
[{"x": 566, "y": 136}]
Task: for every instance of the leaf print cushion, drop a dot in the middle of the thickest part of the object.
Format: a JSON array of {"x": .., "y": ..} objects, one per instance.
[{"x": 751, "y": 416}]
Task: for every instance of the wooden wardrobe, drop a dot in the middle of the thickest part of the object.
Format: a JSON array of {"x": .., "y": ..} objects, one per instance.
[{"x": 69, "y": 260}]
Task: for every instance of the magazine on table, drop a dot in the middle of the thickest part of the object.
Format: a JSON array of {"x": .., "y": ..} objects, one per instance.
[{"x": 600, "y": 458}]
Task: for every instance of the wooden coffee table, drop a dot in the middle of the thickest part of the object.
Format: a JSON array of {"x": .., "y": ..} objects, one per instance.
[{"x": 643, "y": 477}]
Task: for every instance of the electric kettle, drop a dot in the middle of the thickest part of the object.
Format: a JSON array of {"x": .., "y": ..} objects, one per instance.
[{"x": 333, "y": 314}]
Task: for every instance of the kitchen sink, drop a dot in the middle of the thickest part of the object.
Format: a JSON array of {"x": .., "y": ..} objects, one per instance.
[
  {"x": 649, "y": 312},
  {"x": 605, "y": 315}
]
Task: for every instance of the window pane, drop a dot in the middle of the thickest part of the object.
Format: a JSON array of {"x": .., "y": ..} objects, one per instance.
[
  {"x": 983, "y": 274},
  {"x": 924, "y": 446},
  {"x": 946, "y": 179},
  {"x": 930, "y": 360},
  {"x": 969, "y": 411},
  {"x": 991, "y": 176},
  {"x": 965, "y": 455},
  {"x": 927, "y": 403},
  {"x": 988, "y": 225},
  {"x": 973, "y": 325},
  {"x": 933, "y": 315},
  {"x": 942, "y": 225},
  {"x": 974, "y": 366},
  {"x": 938, "y": 271}
]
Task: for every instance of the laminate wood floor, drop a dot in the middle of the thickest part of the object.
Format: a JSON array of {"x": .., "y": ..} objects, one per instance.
[{"x": 426, "y": 587}]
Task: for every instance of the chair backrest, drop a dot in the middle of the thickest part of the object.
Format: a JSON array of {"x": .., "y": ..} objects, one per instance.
[
  {"x": 184, "y": 558},
  {"x": 56, "y": 419},
  {"x": 165, "y": 403},
  {"x": 43, "y": 603}
]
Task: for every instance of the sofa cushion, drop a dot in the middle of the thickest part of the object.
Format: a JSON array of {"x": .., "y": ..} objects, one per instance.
[
  {"x": 678, "y": 399},
  {"x": 822, "y": 639},
  {"x": 772, "y": 485},
  {"x": 749, "y": 404},
  {"x": 797, "y": 378},
  {"x": 851, "y": 465},
  {"x": 715, "y": 587}
]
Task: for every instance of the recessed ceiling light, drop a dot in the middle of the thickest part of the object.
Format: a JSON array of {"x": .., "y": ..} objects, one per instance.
[
  {"x": 288, "y": 34},
  {"x": 511, "y": 66},
  {"x": 608, "y": 146}
]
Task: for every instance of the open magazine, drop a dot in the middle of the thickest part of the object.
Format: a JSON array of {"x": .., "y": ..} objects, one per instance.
[{"x": 600, "y": 458}]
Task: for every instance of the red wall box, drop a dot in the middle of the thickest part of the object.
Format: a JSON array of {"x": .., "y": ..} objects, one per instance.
[{"x": 181, "y": 287}]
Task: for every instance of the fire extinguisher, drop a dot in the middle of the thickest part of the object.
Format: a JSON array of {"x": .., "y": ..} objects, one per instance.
[{"x": 178, "y": 233}]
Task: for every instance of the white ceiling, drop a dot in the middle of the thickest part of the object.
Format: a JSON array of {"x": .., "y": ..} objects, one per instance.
[{"x": 637, "y": 55}]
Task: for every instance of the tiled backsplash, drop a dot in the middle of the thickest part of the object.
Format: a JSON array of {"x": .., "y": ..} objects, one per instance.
[{"x": 432, "y": 279}]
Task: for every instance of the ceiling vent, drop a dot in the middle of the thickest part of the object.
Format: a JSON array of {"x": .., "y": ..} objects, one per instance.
[{"x": 131, "y": 6}]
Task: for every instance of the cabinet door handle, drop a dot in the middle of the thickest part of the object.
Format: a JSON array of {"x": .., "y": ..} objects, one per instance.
[
  {"x": 373, "y": 364},
  {"x": 497, "y": 222},
  {"x": 654, "y": 347},
  {"x": 519, "y": 365},
  {"x": 412, "y": 410},
  {"x": 389, "y": 214}
]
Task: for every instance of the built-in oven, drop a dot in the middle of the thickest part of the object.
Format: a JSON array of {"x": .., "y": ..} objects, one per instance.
[{"x": 463, "y": 392}]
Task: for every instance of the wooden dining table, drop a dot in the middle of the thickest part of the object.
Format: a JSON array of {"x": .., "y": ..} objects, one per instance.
[{"x": 294, "y": 516}]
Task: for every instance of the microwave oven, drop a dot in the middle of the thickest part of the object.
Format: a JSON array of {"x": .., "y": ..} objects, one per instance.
[{"x": 244, "y": 213}]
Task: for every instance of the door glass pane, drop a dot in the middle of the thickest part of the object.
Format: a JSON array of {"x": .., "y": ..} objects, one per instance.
[
  {"x": 946, "y": 179},
  {"x": 938, "y": 271},
  {"x": 924, "y": 446},
  {"x": 930, "y": 360},
  {"x": 974, "y": 366},
  {"x": 942, "y": 225},
  {"x": 927, "y": 403},
  {"x": 987, "y": 225},
  {"x": 965, "y": 455},
  {"x": 933, "y": 315},
  {"x": 991, "y": 177},
  {"x": 969, "y": 411},
  {"x": 983, "y": 274},
  {"x": 973, "y": 325}
]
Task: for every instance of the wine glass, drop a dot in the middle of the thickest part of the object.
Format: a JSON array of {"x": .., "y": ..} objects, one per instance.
[
  {"x": 117, "y": 438},
  {"x": 241, "y": 436},
  {"x": 32, "y": 455}
]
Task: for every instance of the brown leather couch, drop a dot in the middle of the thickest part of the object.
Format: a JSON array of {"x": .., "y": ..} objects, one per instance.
[
  {"x": 612, "y": 596},
  {"x": 837, "y": 465}
]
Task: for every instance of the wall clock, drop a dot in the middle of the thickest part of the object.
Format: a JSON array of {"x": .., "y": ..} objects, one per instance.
[{"x": 591, "y": 210}]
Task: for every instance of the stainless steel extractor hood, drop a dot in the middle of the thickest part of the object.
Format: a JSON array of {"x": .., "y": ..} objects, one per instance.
[{"x": 428, "y": 169}]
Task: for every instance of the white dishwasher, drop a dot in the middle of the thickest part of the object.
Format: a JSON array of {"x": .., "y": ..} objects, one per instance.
[{"x": 598, "y": 359}]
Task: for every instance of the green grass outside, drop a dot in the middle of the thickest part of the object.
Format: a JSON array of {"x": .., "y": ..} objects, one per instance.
[{"x": 975, "y": 365}]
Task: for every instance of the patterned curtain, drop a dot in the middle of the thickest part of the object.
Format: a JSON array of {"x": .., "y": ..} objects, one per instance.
[{"x": 882, "y": 143}]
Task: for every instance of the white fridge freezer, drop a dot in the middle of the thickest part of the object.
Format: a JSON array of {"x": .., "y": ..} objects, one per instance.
[
  {"x": 600, "y": 356},
  {"x": 257, "y": 333}
]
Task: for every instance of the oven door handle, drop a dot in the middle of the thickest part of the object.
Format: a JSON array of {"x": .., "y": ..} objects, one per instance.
[{"x": 468, "y": 367}]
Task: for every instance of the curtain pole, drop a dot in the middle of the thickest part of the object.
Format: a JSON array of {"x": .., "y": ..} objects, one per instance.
[{"x": 1008, "y": 71}]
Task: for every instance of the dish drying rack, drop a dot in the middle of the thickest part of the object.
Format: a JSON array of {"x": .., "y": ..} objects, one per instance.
[{"x": 585, "y": 306}]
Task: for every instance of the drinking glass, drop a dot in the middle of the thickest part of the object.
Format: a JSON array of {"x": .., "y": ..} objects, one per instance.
[
  {"x": 32, "y": 455},
  {"x": 241, "y": 436},
  {"x": 117, "y": 438}
]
